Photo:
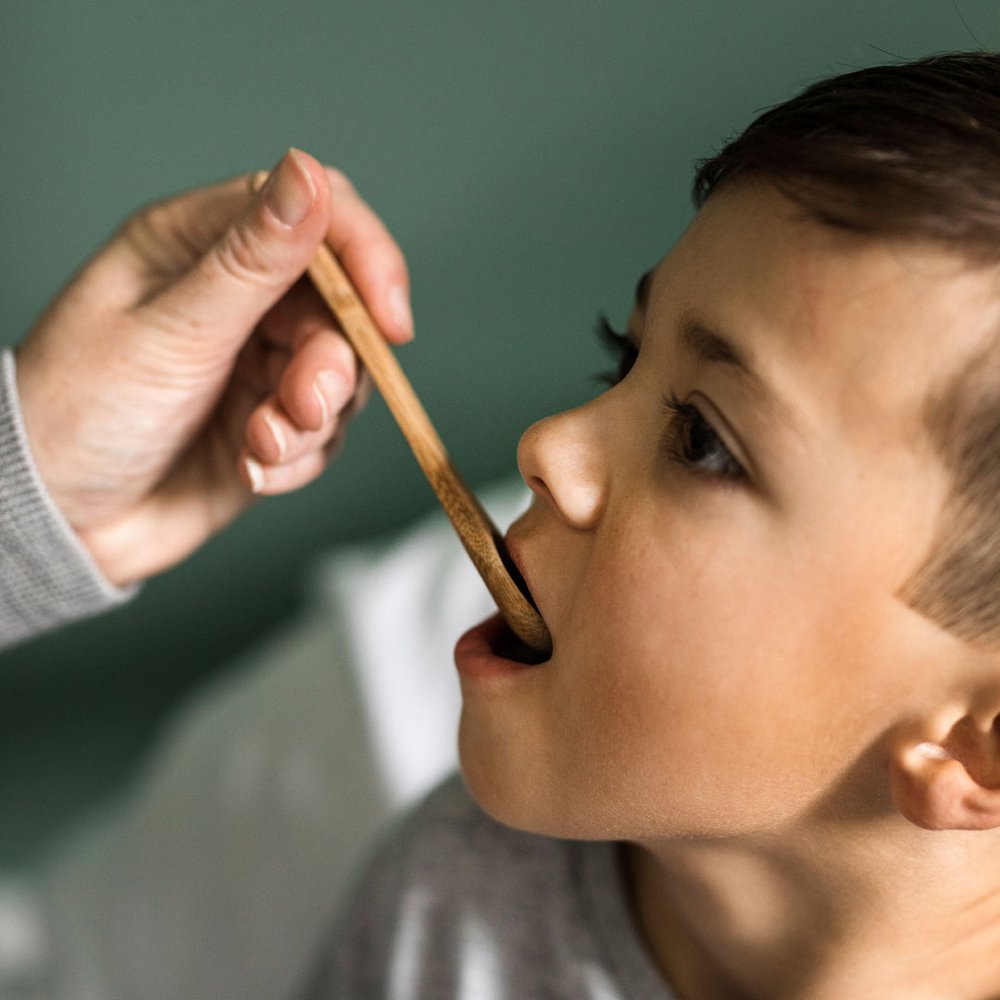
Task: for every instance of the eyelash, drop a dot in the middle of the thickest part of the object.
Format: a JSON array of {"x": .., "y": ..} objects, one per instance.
[
  {"x": 620, "y": 346},
  {"x": 686, "y": 433},
  {"x": 687, "y": 428}
]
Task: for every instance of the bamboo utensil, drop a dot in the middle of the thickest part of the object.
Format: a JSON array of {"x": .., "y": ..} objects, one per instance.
[{"x": 476, "y": 531}]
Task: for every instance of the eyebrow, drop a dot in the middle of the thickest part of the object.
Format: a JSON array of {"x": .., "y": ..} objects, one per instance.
[
  {"x": 708, "y": 345},
  {"x": 713, "y": 347}
]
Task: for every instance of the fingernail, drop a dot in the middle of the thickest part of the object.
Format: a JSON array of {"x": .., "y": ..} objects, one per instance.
[
  {"x": 255, "y": 474},
  {"x": 332, "y": 392},
  {"x": 399, "y": 307},
  {"x": 276, "y": 432},
  {"x": 933, "y": 750},
  {"x": 289, "y": 192}
]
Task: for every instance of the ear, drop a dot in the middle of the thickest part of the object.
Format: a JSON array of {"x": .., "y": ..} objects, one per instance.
[{"x": 951, "y": 782}]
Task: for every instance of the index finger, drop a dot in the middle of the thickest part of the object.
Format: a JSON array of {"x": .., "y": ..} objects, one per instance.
[{"x": 371, "y": 257}]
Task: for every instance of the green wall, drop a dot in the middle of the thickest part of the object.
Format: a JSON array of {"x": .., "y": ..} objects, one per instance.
[{"x": 531, "y": 156}]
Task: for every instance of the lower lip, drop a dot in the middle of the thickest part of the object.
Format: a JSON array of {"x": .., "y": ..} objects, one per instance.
[{"x": 474, "y": 654}]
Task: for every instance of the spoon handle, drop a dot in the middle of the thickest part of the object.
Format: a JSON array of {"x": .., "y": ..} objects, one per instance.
[{"x": 475, "y": 530}]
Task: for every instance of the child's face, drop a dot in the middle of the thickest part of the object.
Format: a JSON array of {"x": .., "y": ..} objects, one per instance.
[{"x": 720, "y": 583}]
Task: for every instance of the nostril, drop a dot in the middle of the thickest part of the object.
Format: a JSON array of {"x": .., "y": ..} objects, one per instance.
[
  {"x": 571, "y": 492},
  {"x": 537, "y": 485}
]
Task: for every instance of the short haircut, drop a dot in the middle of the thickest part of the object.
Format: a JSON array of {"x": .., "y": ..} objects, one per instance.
[{"x": 910, "y": 150}]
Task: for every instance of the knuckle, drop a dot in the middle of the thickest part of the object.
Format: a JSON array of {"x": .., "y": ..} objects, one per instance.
[
  {"x": 162, "y": 235},
  {"x": 341, "y": 359},
  {"x": 238, "y": 255},
  {"x": 153, "y": 213},
  {"x": 146, "y": 222}
]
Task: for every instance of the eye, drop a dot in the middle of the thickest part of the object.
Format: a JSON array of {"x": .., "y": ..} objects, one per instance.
[
  {"x": 621, "y": 347},
  {"x": 692, "y": 441}
]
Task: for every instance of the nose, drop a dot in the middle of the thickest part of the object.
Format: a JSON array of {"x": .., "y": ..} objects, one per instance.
[{"x": 561, "y": 458}]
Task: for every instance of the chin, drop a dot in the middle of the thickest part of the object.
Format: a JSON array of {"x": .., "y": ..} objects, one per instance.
[
  {"x": 513, "y": 799},
  {"x": 520, "y": 797}
]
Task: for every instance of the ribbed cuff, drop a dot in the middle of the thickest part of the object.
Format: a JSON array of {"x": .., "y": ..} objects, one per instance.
[{"x": 47, "y": 577}]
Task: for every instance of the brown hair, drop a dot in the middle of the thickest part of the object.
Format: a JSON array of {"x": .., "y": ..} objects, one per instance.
[{"x": 910, "y": 150}]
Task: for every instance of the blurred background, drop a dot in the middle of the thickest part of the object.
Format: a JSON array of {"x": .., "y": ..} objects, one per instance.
[{"x": 531, "y": 158}]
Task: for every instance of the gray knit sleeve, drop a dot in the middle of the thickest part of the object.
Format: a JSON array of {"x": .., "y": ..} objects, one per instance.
[{"x": 47, "y": 577}]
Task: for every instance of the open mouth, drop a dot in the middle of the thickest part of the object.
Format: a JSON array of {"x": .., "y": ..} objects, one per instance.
[
  {"x": 505, "y": 644},
  {"x": 491, "y": 650}
]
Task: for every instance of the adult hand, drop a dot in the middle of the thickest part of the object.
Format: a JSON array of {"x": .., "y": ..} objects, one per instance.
[{"x": 187, "y": 366}]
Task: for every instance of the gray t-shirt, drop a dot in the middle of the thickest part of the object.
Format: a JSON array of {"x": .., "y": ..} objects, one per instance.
[{"x": 455, "y": 905}]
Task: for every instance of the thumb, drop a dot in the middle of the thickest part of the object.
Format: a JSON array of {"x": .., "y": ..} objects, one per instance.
[{"x": 257, "y": 259}]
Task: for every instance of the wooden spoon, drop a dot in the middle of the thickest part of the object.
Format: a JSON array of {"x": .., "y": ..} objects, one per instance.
[{"x": 476, "y": 531}]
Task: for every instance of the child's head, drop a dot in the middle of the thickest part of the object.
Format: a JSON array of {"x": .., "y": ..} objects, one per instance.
[
  {"x": 769, "y": 555},
  {"x": 911, "y": 152}
]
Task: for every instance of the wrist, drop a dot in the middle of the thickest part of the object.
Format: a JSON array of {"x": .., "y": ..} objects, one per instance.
[
  {"x": 76, "y": 583},
  {"x": 49, "y": 435}
]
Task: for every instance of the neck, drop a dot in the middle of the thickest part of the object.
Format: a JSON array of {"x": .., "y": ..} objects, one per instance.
[{"x": 824, "y": 913}]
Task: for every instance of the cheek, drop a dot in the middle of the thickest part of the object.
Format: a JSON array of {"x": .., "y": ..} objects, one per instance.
[{"x": 699, "y": 701}]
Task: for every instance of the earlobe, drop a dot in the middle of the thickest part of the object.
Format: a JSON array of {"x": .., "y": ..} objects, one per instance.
[{"x": 936, "y": 786}]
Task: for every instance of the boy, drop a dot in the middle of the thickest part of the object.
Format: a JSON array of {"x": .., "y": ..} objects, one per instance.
[{"x": 764, "y": 757}]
